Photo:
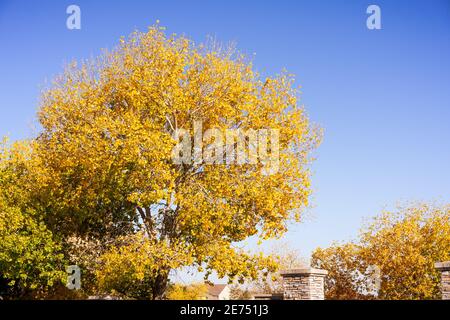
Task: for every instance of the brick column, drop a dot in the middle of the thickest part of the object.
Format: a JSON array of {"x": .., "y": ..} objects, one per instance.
[
  {"x": 303, "y": 284},
  {"x": 444, "y": 268}
]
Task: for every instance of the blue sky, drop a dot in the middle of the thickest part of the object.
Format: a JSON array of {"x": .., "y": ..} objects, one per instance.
[{"x": 382, "y": 96}]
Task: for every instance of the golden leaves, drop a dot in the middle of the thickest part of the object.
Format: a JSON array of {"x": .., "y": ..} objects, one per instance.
[
  {"x": 105, "y": 150},
  {"x": 403, "y": 244},
  {"x": 195, "y": 291}
]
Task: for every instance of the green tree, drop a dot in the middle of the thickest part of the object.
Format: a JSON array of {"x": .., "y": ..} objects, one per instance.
[{"x": 31, "y": 260}]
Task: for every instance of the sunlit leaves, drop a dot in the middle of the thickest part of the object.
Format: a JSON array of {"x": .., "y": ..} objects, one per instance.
[
  {"x": 102, "y": 167},
  {"x": 403, "y": 244}
]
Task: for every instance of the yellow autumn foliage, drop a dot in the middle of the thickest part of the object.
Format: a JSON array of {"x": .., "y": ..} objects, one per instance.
[
  {"x": 105, "y": 155},
  {"x": 403, "y": 245},
  {"x": 195, "y": 291}
]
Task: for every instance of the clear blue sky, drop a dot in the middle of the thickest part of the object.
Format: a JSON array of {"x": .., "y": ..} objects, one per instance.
[{"x": 382, "y": 96}]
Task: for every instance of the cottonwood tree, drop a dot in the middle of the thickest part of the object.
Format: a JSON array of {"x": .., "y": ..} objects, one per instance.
[
  {"x": 403, "y": 245},
  {"x": 286, "y": 258},
  {"x": 347, "y": 278},
  {"x": 107, "y": 170}
]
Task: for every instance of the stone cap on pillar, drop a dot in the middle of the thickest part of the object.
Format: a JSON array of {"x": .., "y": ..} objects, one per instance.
[
  {"x": 442, "y": 266},
  {"x": 303, "y": 272}
]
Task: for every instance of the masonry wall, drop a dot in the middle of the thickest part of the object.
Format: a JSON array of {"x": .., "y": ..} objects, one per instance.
[
  {"x": 444, "y": 268},
  {"x": 303, "y": 284}
]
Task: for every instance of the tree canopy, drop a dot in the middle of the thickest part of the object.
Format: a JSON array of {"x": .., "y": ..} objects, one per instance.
[{"x": 102, "y": 169}]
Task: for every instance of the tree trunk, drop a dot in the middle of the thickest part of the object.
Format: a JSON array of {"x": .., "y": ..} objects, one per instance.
[{"x": 160, "y": 285}]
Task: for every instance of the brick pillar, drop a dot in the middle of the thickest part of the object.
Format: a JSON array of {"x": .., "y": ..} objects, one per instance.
[
  {"x": 303, "y": 284},
  {"x": 444, "y": 268}
]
